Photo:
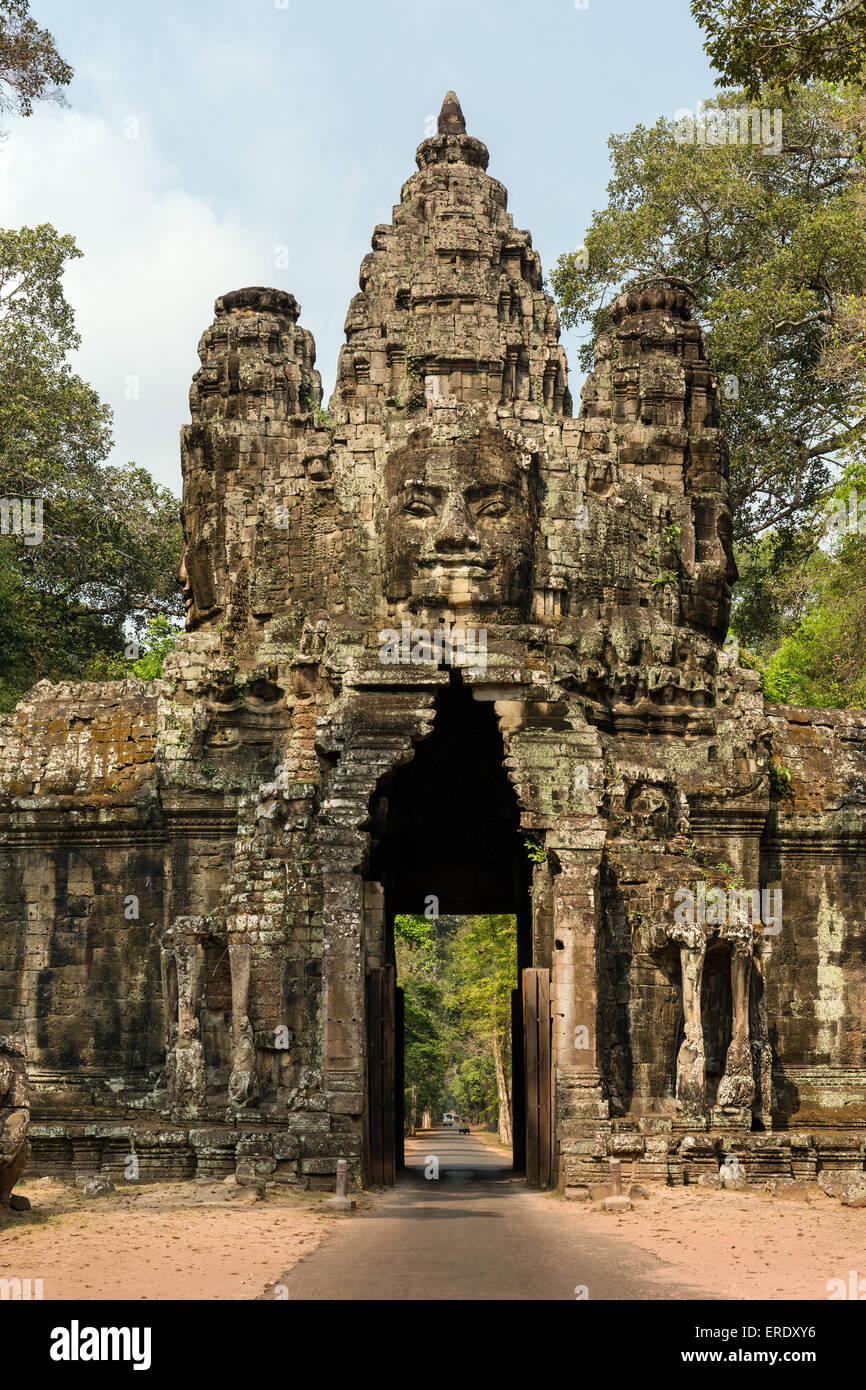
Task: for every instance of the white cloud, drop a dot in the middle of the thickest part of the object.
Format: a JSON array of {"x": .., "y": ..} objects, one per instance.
[{"x": 155, "y": 257}]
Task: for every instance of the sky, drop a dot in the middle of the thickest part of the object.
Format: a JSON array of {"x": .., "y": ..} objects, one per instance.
[{"x": 212, "y": 144}]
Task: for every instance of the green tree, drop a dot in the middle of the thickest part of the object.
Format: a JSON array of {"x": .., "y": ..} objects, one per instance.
[
  {"x": 472, "y": 1089},
  {"x": 31, "y": 69},
  {"x": 102, "y": 559},
  {"x": 484, "y": 972},
  {"x": 821, "y": 658},
  {"x": 751, "y": 42},
  {"x": 771, "y": 248},
  {"x": 426, "y": 1041}
]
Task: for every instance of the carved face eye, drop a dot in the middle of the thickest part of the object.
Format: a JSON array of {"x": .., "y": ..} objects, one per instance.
[
  {"x": 416, "y": 506},
  {"x": 493, "y": 507}
]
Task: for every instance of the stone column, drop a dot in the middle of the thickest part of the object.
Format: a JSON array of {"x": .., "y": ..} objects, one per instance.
[
  {"x": 737, "y": 1087},
  {"x": 243, "y": 1082},
  {"x": 184, "y": 1062},
  {"x": 762, "y": 1052},
  {"x": 580, "y": 1106},
  {"x": 575, "y": 983},
  {"x": 343, "y": 1006},
  {"x": 691, "y": 1062}
]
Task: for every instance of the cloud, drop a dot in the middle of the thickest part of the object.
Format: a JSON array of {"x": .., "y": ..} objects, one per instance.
[{"x": 155, "y": 257}]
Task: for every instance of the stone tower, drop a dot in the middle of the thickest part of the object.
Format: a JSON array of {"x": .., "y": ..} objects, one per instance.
[{"x": 441, "y": 620}]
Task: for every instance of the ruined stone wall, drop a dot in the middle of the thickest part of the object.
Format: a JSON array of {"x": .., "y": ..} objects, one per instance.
[
  {"x": 813, "y": 851},
  {"x": 84, "y": 884}
]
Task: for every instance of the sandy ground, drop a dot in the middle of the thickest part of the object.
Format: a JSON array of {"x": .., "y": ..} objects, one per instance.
[
  {"x": 739, "y": 1244},
  {"x": 161, "y": 1241},
  {"x": 184, "y": 1241}
]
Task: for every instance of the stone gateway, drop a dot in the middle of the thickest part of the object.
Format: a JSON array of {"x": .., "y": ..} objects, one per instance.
[{"x": 200, "y": 874}]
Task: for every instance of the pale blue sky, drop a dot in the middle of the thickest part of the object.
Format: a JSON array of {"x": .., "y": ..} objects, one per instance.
[{"x": 257, "y": 126}]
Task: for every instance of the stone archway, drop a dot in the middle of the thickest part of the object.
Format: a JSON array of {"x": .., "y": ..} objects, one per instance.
[{"x": 446, "y": 842}]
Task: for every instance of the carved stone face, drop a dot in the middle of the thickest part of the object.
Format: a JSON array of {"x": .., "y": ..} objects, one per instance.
[
  {"x": 196, "y": 575},
  {"x": 459, "y": 530},
  {"x": 649, "y": 810}
]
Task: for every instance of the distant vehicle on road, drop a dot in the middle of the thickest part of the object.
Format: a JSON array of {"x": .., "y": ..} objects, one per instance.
[{"x": 464, "y": 1129}]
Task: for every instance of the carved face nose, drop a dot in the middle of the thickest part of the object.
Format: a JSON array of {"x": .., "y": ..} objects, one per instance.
[{"x": 456, "y": 531}]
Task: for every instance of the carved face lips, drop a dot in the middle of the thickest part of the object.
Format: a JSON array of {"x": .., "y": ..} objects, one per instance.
[{"x": 459, "y": 530}]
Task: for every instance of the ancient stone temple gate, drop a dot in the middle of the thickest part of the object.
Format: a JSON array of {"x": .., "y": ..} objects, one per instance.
[{"x": 441, "y": 620}]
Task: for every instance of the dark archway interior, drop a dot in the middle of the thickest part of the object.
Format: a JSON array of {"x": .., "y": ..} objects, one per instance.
[{"x": 446, "y": 826}]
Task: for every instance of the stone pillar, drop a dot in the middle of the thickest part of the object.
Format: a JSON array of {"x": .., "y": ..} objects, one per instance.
[
  {"x": 343, "y": 982},
  {"x": 762, "y": 1052},
  {"x": 580, "y": 1107},
  {"x": 575, "y": 966},
  {"x": 184, "y": 1060},
  {"x": 243, "y": 1082},
  {"x": 691, "y": 1062},
  {"x": 737, "y": 1087}
]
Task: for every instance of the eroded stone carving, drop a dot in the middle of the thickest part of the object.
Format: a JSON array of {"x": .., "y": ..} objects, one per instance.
[
  {"x": 14, "y": 1119},
  {"x": 459, "y": 533}
]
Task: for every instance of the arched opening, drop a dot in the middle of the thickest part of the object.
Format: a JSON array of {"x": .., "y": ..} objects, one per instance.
[{"x": 446, "y": 844}]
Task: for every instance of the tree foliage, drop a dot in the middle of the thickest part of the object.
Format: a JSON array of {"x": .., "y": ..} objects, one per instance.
[
  {"x": 31, "y": 69},
  {"x": 819, "y": 657},
  {"x": 110, "y": 536},
  {"x": 752, "y": 42},
  {"x": 771, "y": 247},
  {"x": 457, "y": 975}
]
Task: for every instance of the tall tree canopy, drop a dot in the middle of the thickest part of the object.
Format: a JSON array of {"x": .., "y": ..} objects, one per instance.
[
  {"x": 771, "y": 247},
  {"x": 88, "y": 552},
  {"x": 31, "y": 69},
  {"x": 457, "y": 974},
  {"x": 751, "y": 42}
]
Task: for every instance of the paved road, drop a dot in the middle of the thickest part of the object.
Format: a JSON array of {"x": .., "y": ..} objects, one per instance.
[{"x": 475, "y": 1232}]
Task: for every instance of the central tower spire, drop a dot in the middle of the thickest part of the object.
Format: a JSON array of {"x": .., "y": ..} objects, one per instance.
[
  {"x": 451, "y": 301},
  {"x": 451, "y": 119}
]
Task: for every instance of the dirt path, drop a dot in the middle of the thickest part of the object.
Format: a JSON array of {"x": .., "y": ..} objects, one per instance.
[
  {"x": 165, "y": 1241},
  {"x": 739, "y": 1244},
  {"x": 472, "y": 1232}
]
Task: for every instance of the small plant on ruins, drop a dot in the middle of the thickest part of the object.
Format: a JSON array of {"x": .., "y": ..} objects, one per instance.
[
  {"x": 664, "y": 577},
  {"x": 208, "y": 769},
  {"x": 730, "y": 875},
  {"x": 672, "y": 535},
  {"x": 536, "y": 852},
  {"x": 321, "y": 417},
  {"x": 307, "y": 855},
  {"x": 780, "y": 779}
]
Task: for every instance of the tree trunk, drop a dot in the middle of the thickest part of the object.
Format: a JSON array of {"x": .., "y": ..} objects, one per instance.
[{"x": 505, "y": 1136}]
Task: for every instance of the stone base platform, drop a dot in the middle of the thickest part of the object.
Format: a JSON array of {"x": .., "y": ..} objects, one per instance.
[
  {"x": 301, "y": 1150},
  {"x": 675, "y": 1157}
]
